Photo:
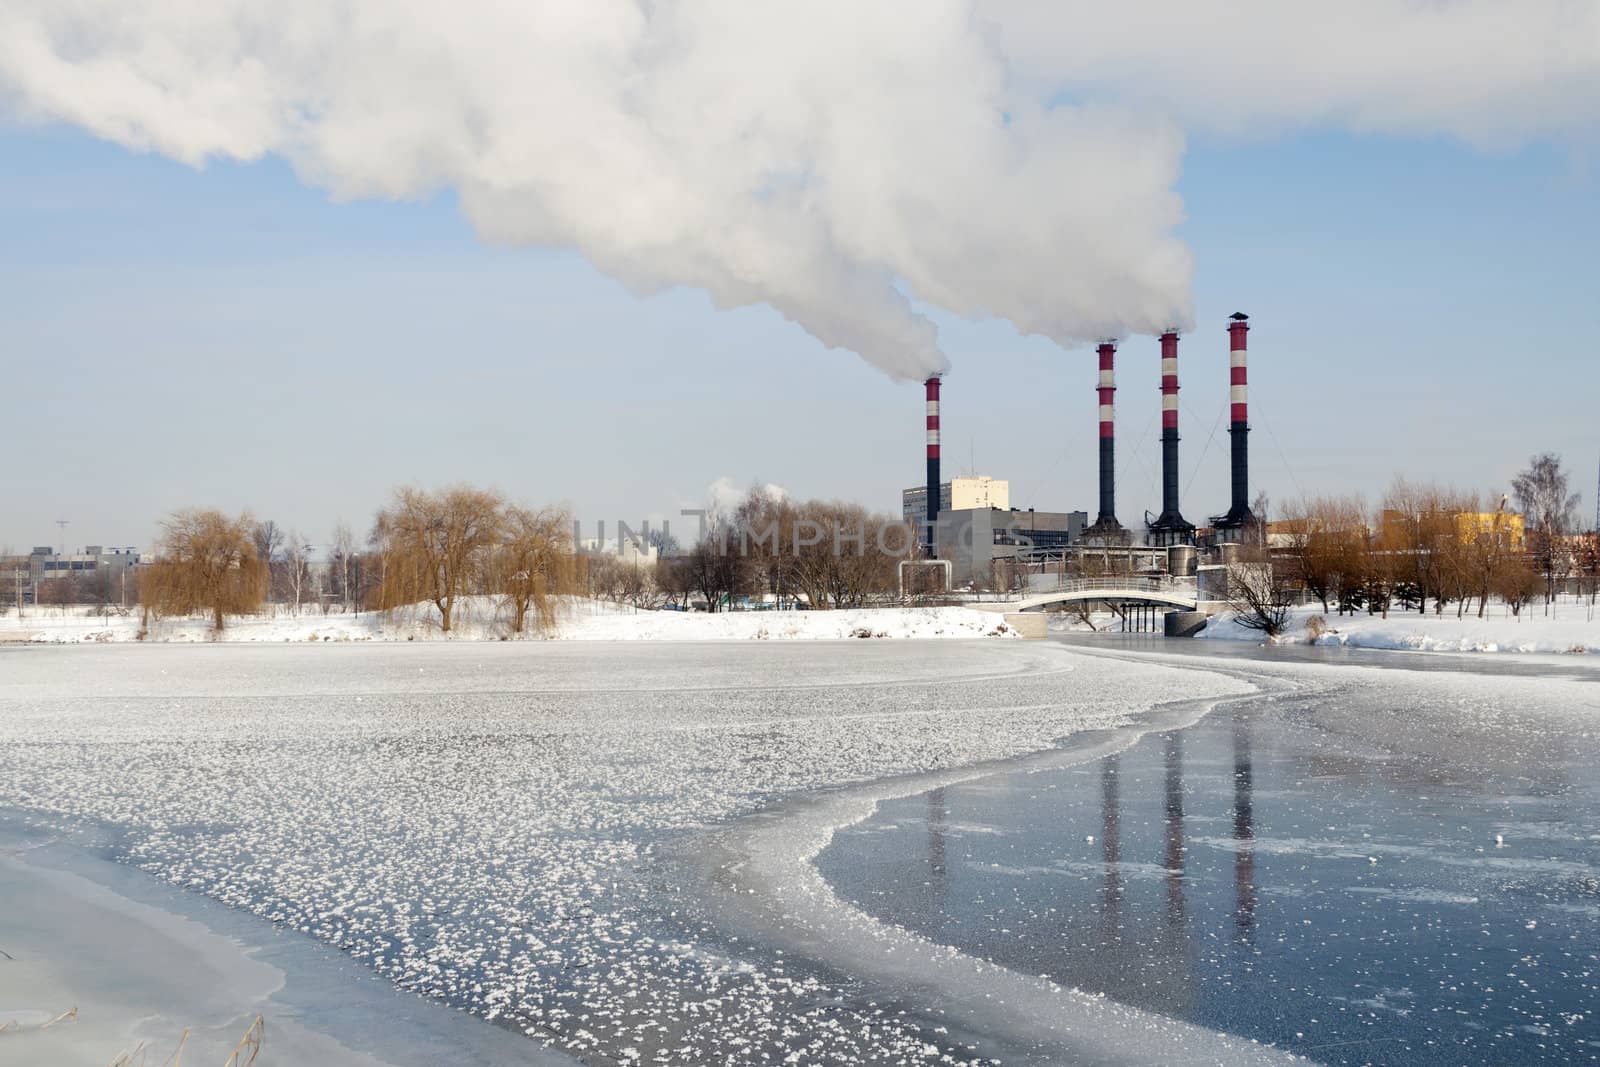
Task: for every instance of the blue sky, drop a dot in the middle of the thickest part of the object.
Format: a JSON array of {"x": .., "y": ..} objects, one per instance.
[{"x": 229, "y": 336}]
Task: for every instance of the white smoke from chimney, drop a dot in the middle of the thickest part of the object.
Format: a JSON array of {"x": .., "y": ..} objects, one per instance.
[
  {"x": 1488, "y": 72},
  {"x": 837, "y": 160}
]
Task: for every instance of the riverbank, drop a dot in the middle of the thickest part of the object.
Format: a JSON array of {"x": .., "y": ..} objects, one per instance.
[
  {"x": 482, "y": 619},
  {"x": 98, "y": 961},
  {"x": 1570, "y": 627}
]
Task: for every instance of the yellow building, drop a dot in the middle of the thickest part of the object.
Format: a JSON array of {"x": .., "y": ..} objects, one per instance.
[
  {"x": 1507, "y": 525},
  {"x": 979, "y": 491},
  {"x": 972, "y": 492}
]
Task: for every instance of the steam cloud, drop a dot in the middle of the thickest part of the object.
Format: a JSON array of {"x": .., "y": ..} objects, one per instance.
[
  {"x": 827, "y": 158},
  {"x": 836, "y": 160},
  {"x": 1491, "y": 73}
]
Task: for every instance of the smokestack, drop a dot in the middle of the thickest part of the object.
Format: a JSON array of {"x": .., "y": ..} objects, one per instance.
[
  {"x": 1171, "y": 528},
  {"x": 933, "y": 462},
  {"x": 1106, "y": 526},
  {"x": 1239, "y": 429},
  {"x": 1108, "y": 434}
]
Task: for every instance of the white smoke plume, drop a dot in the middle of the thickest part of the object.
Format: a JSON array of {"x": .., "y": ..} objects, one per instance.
[
  {"x": 832, "y": 159},
  {"x": 836, "y": 159},
  {"x": 1491, "y": 73}
]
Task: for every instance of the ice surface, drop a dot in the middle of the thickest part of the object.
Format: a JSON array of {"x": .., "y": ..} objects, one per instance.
[
  {"x": 1362, "y": 864},
  {"x": 511, "y": 827}
]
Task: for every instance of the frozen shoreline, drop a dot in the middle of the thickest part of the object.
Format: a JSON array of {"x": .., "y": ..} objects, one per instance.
[
  {"x": 777, "y": 886},
  {"x": 1570, "y": 631},
  {"x": 139, "y": 963},
  {"x": 479, "y": 619}
]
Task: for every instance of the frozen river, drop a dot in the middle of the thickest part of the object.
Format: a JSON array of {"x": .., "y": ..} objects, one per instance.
[
  {"x": 1391, "y": 865},
  {"x": 607, "y": 848}
]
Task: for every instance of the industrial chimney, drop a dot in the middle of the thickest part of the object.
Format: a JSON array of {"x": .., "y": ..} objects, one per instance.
[
  {"x": 932, "y": 385},
  {"x": 1238, "y": 516},
  {"x": 1171, "y": 528},
  {"x": 1106, "y": 528}
]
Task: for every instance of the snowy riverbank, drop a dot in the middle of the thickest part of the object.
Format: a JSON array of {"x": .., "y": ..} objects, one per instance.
[
  {"x": 102, "y": 962},
  {"x": 479, "y": 619},
  {"x": 1568, "y": 629}
]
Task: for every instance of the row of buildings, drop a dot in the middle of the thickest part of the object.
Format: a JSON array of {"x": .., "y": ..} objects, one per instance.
[{"x": 27, "y": 579}]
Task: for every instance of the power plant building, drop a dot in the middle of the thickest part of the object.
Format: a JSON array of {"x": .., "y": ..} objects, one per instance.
[
  {"x": 969, "y": 522},
  {"x": 977, "y": 526},
  {"x": 973, "y": 540},
  {"x": 958, "y": 494}
]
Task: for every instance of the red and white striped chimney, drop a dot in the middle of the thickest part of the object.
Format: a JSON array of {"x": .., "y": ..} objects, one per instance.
[
  {"x": 1171, "y": 528},
  {"x": 1108, "y": 433},
  {"x": 1238, "y": 361},
  {"x": 932, "y": 385},
  {"x": 1239, "y": 431},
  {"x": 1169, "y": 381}
]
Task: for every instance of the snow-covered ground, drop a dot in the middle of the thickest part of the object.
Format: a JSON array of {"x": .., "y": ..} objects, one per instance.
[
  {"x": 482, "y": 619},
  {"x": 1569, "y": 628},
  {"x": 514, "y": 828}
]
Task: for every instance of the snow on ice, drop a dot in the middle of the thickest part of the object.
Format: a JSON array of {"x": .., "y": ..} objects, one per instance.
[{"x": 502, "y": 825}]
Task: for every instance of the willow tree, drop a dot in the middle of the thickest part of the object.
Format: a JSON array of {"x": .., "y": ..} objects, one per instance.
[
  {"x": 435, "y": 546},
  {"x": 533, "y": 564},
  {"x": 205, "y": 561}
]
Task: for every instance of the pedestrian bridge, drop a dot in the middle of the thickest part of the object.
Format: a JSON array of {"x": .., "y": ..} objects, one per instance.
[{"x": 1175, "y": 593}]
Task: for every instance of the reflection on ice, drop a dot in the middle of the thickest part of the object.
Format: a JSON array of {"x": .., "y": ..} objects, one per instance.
[
  {"x": 1313, "y": 869},
  {"x": 1244, "y": 864}
]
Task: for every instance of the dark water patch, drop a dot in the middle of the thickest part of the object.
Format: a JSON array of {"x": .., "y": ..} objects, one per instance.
[{"x": 1326, "y": 873}]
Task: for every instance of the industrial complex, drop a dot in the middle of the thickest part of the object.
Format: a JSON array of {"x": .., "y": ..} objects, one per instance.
[{"x": 971, "y": 523}]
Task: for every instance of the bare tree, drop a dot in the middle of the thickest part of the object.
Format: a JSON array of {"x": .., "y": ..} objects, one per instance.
[
  {"x": 205, "y": 561},
  {"x": 1517, "y": 584},
  {"x": 835, "y": 554},
  {"x": 434, "y": 545},
  {"x": 1549, "y": 507},
  {"x": 638, "y": 586},
  {"x": 296, "y": 567},
  {"x": 1084, "y": 610},
  {"x": 603, "y": 577},
  {"x": 765, "y": 526},
  {"x": 1256, "y": 530},
  {"x": 1588, "y": 565},
  {"x": 715, "y": 569},
  {"x": 344, "y": 551},
  {"x": 675, "y": 580},
  {"x": 268, "y": 538},
  {"x": 1326, "y": 544},
  {"x": 662, "y": 540},
  {"x": 96, "y": 591},
  {"x": 59, "y": 593},
  {"x": 19, "y": 576},
  {"x": 1259, "y": 596},
  {"x": 1420, "y": 530}
]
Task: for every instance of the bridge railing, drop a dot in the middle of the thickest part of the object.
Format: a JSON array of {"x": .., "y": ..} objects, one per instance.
[
  {"x": 1143, "y": 583},
  {"x": 1044, "y": 585}
]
